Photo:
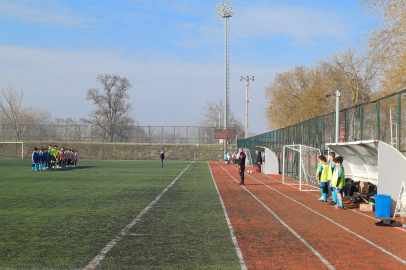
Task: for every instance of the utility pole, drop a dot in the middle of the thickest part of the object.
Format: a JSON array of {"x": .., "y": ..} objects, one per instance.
[
  {"x": 247, "y": 81},
  {"x": 225, "y": 11}
]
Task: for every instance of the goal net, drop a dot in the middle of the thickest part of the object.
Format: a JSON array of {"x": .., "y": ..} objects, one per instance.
[
  {"x": 11, "y": 150},
  {"x": 300, "y": 166}
]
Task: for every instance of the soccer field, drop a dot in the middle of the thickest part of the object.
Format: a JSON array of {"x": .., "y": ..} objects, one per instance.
[{"x": 64, "y": 218}]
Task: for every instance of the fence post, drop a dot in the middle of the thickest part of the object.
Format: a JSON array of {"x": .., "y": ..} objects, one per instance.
[
  {"x": 399, "y": 122},
  {"x": 347, "y": 125},
  {"x": 361, "y": 122},
  {"x": 66, "y": 134},
  {"x": 149, "y": 142},
  {"x": 378, "y": 120},
  {"x": 137, "y": 141},
  {"x": 174, "y": 142},
  {"x": 91, "y": 140},
  {"x": 28, "y": 146},
  {"x": 323, "y": 140}
]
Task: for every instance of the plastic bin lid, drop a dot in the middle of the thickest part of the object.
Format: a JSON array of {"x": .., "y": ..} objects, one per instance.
[{"x": 382, "y": 196}]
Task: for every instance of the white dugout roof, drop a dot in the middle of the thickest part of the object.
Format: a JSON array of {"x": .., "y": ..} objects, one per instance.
[{"x": 375, "y": 162}]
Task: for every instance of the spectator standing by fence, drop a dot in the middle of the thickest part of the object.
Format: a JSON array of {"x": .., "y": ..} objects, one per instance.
[{"x": 162, "y": 157}]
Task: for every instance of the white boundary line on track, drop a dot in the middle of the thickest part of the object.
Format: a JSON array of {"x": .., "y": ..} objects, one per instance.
[
  {"x": 230, "y": 227},
  {"x": 100, "y": 257},
  {"x": 315, "y": 252},
  {"x": 359, "y": 213},
  {"x": 332, "y": 221}
]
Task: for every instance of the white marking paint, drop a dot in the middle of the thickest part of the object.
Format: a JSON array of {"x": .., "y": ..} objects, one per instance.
[
  {"x": 100, "y": 257},
  {"x": 332, "y": 221},
  {"x": 403, "y": 230},
  {"x": 230, "y": 227},
  {"x": 315, "y": 252}
]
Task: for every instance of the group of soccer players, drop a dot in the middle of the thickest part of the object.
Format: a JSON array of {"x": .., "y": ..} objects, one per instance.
[
  {"x": 331, "y": 174},
  {"x": 51, "y": 158}
]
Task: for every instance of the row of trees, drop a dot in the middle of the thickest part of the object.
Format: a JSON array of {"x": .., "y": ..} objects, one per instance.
[
  {"x": 111, "y": 116},
  {"x": 360, "y": 73},
  {"x": 112, "y": 111}
]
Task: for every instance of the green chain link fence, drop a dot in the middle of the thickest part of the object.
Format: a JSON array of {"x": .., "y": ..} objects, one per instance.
[
  {"x": 135, "y": 143},
  {"x": 383, "y": 119}
]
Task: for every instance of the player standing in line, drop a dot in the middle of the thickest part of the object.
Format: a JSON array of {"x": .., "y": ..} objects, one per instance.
[
  {"x": 338, "y": 182},
  {"x": 40, "y": 159},
  {"x": 34, "y": 160},
  {"x": 320, "y": 163},
  {"x": 241, "y": 165},
  {"x": 162, "y": 157},
  {"x": 76, "y": 157},
  {"x": 331, "y": 166},
  {"x": 323, "y": 182}
]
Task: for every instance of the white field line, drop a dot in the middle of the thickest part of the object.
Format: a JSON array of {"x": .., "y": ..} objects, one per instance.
[
  {"x": 291, "y": 185},
  {"x": 377, "y": 219},
  {"x": 100, "y": 257},
  {"x": 332, "y": 221},
  {"x": 230, "y": 227},
  {"x": 399, "y": 228},
  {"x": 315, "y": 252}
]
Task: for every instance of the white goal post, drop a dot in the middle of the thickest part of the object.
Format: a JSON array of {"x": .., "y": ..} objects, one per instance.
[
  {"x": 248, "y": 159},
  {"x": 300, "y": 167},
  {"x": 8, "y": 151}
]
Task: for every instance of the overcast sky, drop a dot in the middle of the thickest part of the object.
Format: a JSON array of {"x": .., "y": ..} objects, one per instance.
[{"x": 171, "y": 51}]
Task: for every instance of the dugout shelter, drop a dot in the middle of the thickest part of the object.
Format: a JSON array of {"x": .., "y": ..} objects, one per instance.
[
  {"x": 270, "y": 164},
  {"x": 375, "y": 162}
]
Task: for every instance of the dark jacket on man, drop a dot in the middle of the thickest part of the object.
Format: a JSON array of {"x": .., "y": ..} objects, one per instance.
[
  {"x": 241, "y": 159},
  {"x": 259, "y": 158},
  {"x": 162, "y": 155}
]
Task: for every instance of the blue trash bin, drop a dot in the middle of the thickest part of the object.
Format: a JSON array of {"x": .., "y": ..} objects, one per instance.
[{"x": 382, "y": 206}]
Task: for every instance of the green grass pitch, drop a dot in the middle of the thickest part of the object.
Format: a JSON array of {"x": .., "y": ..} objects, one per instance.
[{"x": 63, "y": 218}]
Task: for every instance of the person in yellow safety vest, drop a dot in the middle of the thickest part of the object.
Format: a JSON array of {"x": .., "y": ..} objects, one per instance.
[
  {"x": 318, "y": 176},
  {"x": 323, "y": 182},
  {"x": 338, "y": 182},
  {"x": 331, "y": 167}
]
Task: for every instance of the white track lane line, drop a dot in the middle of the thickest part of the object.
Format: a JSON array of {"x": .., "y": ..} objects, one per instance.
[
  {"x": 332, "y": 221},
  {"x": 315, "y": 252},
  {"x": 100, "y": 257},
  {"x": 359, "y": 213},
  {"x": 230, "y": 227}
]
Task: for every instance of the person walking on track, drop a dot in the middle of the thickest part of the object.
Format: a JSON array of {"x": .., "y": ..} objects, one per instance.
[
  {"x": 162, "y": 156},
  {"x": 259, "y": 160},
  {"x": 241, "y": 165}
]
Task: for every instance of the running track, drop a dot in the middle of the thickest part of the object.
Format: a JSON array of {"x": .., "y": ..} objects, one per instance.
[{"x": 280, "y": 227}]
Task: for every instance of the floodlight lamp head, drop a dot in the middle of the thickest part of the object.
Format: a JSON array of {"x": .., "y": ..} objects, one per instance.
[{"x": 224, "y": 10}]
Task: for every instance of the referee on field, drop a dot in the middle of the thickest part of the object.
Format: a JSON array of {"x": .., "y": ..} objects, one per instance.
[{"x": 241, "y": 165}]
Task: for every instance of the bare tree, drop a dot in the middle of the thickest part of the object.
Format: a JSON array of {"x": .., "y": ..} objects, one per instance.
[
  {"x": 389, "y": 39},
  {"x": 112, "y": 106},
  {"x": 353, "y": 72},
  {"x": 211, "y": 118},
  {"x": 10, "y": 106}
]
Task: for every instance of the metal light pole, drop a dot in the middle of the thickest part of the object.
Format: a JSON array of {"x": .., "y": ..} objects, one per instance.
[
  {"x": 337, "y": 94},
  {"x": 225, "y": 11},
  {"x": 247, "y": 80}
]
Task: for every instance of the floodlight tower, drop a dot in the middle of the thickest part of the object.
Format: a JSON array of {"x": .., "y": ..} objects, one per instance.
[
  {"x": 225, "y": 11},
  {"x": 247, "y": 80}
]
